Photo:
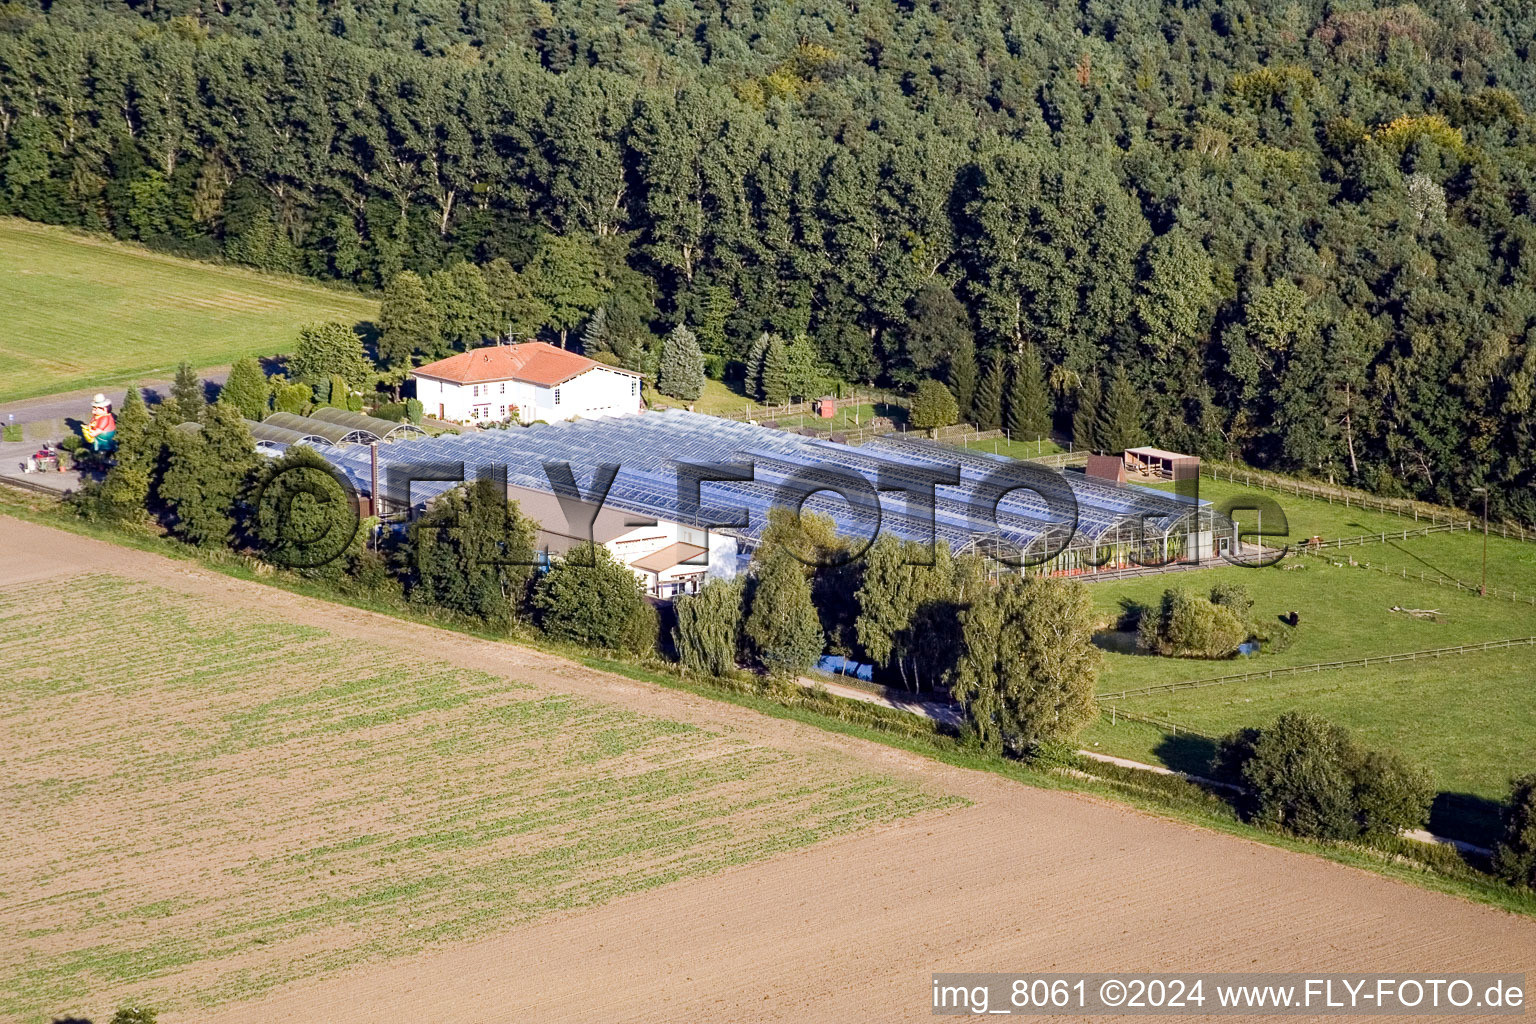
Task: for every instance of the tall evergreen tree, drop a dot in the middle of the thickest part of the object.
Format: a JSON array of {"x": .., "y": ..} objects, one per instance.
[
  {"x": 1085, "y": 415},
  {"x": 773, "y": 388},
  {"x": 125, "y": 491},
  {"x": 987, "y": 410},
  {"x": 1029, "y": 406},
  {"x": 1119, "y": 422},
  {"x": 681, "y": 374},
  {"x": 208, "y": 469},
  {"x": 752, "y": 375},
  {"x": 187, "y": 397},
  {"x": 962, "y": 377},
  {"x": 247, "y": 389}
]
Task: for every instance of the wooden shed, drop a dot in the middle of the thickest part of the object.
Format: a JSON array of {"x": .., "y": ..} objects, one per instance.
[{"x": 1159, "y": 464}]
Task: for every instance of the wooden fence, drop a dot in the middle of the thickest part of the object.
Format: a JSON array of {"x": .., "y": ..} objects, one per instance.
[
  {"x": 1415, "y": 510},
  {"x": 1442, "y": 580},
  {"x": 1309, "y": 548},
  {"x": 1320, "y": 666}
]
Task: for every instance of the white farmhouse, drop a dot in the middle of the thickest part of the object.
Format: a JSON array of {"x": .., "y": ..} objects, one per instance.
[
  {"x": 527, "y": 382},
  {"x": 668, "y": 558}
]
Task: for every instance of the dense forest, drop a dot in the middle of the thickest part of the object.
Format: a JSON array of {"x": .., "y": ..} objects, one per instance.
[{"x": 1304, "y": 232}]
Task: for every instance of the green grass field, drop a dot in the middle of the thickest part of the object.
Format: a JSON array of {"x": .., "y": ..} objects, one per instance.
[
  {"x": 1016, "y": 449},
  {"x": 1470, "y": 718},
  {"x": 85, "y": 312},
  {"x": 205, "y": 827},
  {"x": 722, "y": 399}
]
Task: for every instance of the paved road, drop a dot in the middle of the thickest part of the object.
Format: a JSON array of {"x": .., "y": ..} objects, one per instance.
[{"x": 77, "y": 404}]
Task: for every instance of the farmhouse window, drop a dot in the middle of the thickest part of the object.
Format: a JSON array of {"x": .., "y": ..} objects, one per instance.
[{"x": 557, "y": 396}]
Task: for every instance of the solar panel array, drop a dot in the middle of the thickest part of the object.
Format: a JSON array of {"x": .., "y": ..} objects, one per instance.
[{"x": 648, "y": 449}]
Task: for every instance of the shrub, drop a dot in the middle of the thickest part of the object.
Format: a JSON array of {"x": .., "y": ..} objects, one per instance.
[
  {"x": 714, "y": 367},
  {"x": 134, "y": 1015},
  {"x": 933, "y": 406},
  {"x": 1187, "y": 625},
  {"x": 413, "y": 410},
  {"x": 589, "y": 598},
  {"x": 393, "y": 411},
  {"x": 1514, "y": 856},
  {"x": 1391, "y": 795},
  {"x": 292, "y": 398},
  {"x": 1300, "y": 774},
  {"x": 1309, "y": 777},
  {"x": 1235, "y": 598}
]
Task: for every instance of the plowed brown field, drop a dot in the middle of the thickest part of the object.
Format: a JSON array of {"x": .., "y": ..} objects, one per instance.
[{"x": 300, "y": 812}]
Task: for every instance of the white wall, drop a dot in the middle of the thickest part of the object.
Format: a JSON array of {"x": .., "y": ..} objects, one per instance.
[{"x": 594, "y": 394}]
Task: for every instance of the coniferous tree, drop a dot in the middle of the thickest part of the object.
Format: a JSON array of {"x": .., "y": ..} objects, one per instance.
[
  {"x": 988, "y": 408},
  {"x": 187, "y": 398},
  {"x": 208, "y": 469},
  {"x": 1029, "y": 406},
  {"x": 125, "y": 491},
  {"x": 773, "y": 387},
  {"x": 1119, "y": 422},
  {"x": 682, "y": 366},
  {"x": 962, "y": 377},
  {"x": 247, "y": 389},
  {"x": 1085, "y": 415},
  {"x": 752, "y": 378}
]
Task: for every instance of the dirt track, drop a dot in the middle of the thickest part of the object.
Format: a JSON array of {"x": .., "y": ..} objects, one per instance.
[{"x": 1021, "y": 880}]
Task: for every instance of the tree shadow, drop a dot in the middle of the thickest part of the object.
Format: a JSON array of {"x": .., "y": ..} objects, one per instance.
[
  {"x": 1466, "y": 816},
  {"x": 1187, "y": 753},
  {"x": 1131, "y": 612},
  {"x": 368, "y": 333},
  {"x": 71, "y": 1020},
  {"x": 273, "y": 365},
  {"x": 211, "y": 391},
  {"x": 1398, "y": 547}
]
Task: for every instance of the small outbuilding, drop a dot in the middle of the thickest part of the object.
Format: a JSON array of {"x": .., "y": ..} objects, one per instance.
[
  {"x": 1106, "y": 467},
  {"x": 825, "y": 406},
  {"x": 1159, "y": 464}
]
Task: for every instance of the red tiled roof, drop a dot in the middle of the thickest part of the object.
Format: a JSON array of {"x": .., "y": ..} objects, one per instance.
[{"x": 533, "y": 362}]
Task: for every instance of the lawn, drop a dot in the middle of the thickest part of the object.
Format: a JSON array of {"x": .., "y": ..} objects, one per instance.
[
  {"x": 1452, "y": 556},
  {"x": 85, "y": 312},
  {"x": 722, "y": 399},
  {"x": 1017, "y": 449},
  {"x": 190, "y": 827},
  {"x": 1470, "y": 718}
]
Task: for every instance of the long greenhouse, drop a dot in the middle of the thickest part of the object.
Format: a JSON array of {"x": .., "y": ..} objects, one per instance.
[{"x": 1013, "y": 512}]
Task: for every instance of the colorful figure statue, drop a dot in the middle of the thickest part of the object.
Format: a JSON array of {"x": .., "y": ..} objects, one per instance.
[{"x": 101, "y": 432}]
